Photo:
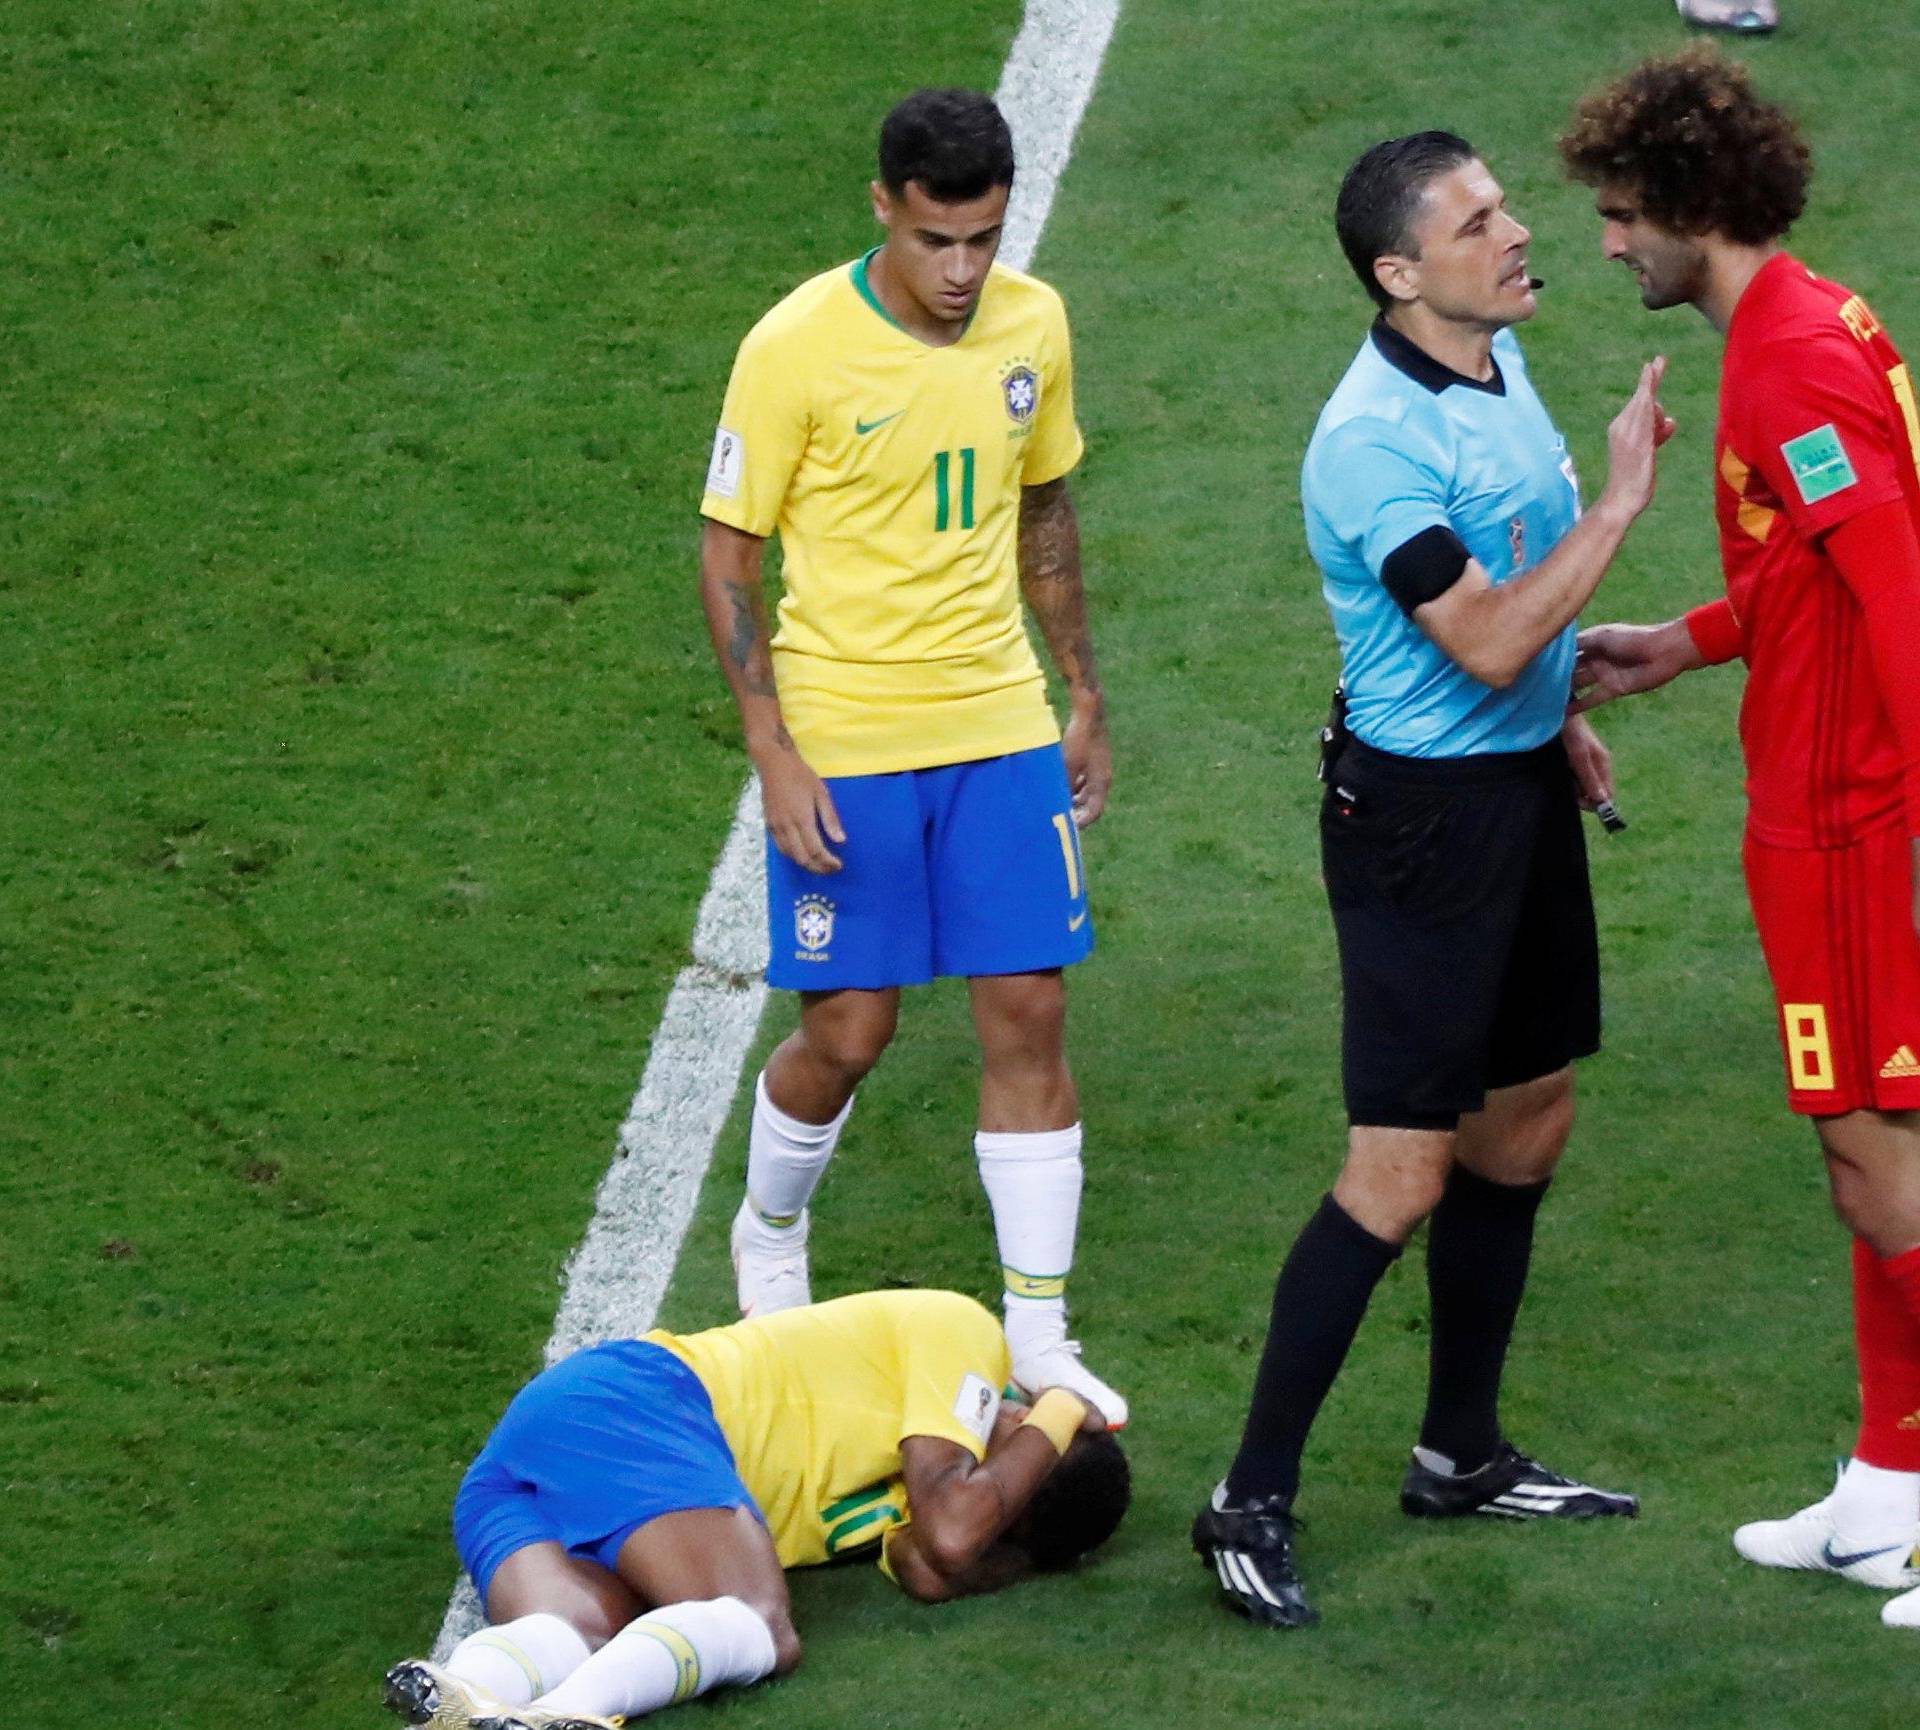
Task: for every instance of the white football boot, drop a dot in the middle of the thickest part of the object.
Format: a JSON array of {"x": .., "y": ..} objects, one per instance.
[
  {"x": 1806, "y": 1540},
  {"x": 1051, "y": 1360},
  {"x": 769, "y": 1264}
]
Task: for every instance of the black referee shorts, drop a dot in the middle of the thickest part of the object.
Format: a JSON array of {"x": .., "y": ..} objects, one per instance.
[{"x": 1468, "y": 957}]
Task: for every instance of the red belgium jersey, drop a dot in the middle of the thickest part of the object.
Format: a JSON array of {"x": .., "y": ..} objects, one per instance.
[{"x": 1817, "y": 424}]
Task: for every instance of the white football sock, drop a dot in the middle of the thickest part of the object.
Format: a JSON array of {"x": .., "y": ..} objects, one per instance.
[
  {"x": 518, "y": 1661},
  {"x": 666, "y": 1656},
  {"x": 1033, "y": 1185},
  {"x": 1873, "y": 1506},
  {"x": 785, "y": 1158}
]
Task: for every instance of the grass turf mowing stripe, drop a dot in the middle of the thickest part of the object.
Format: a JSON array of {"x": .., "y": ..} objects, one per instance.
[{"x": 615, "y": 1282}]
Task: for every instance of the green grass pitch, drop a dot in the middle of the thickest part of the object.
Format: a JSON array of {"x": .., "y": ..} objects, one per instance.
[{"x": 364, "y": 762}]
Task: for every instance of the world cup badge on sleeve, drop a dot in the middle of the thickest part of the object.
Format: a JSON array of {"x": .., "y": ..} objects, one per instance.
[
  {"x": 725, "y": 466},
  {"x": 812, "y": 927}
]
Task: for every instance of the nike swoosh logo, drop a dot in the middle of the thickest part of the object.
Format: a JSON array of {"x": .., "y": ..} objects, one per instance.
[
  {"x": 1847, "y": 1561},
  {"x": 1078, "y": 920},
  {"x": 863, "y": 427}
]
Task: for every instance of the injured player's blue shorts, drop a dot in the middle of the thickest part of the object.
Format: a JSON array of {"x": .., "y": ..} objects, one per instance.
[
  {"x": 960, "y": 871},
  {"x": 588, "y": 1452}
]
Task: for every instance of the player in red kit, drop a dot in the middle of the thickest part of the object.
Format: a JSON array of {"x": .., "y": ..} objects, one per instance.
[{"x": 1817, "y": 492}]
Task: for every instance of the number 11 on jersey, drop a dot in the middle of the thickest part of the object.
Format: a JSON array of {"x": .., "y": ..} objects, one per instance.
[{"x": 943, "y": 489}]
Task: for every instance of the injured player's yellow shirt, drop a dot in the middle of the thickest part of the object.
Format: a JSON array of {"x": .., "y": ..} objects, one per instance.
[
  {"x": 815, "y": 1403},
  {"x": 893, "y": 471}
]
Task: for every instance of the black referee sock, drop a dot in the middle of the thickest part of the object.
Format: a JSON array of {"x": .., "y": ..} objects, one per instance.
[
  {"x": 1479, "y": 1244},
  {"x": 1322, "y": 1293}
]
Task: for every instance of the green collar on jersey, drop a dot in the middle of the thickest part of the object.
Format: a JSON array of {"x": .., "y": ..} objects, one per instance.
[
  {"x": 866, "y": 289},
  {"x": 859, "y": 274}
]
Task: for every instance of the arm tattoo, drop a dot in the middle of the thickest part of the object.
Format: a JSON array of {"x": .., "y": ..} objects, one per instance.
[
  {"x": 1049, "y": 561},
  {"x": 1049, "y": 547},
  {"x": 747, "y": 647}
]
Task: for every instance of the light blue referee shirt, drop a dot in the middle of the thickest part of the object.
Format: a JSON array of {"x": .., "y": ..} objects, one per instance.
[{"x": 1405, "y": 444}]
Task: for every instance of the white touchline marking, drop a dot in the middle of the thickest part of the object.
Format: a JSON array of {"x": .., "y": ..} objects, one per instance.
[
  {"x": 1044, "y": 90},
  {"x": 617, "y": 1277}
]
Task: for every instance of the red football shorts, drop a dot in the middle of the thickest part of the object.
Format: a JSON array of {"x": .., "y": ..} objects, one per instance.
[{"x": 1836, "y": 926}]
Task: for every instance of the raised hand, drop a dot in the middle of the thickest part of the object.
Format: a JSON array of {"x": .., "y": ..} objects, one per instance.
[{"x": 1638, "y": 430}]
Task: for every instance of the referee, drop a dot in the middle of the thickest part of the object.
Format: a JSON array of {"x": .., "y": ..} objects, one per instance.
[{"x": 1443, "y": 511}]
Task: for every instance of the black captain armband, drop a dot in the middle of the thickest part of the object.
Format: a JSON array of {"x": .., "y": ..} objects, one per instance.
[{"x": 1424, "y": 568}]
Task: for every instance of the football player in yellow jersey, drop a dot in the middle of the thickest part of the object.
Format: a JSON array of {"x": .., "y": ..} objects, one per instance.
[
  {"x": 905, "y": 422},
  {"x": 627, "y": 1523}
]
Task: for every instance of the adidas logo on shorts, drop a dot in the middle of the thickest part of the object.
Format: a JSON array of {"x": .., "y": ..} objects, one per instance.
[{"x": 1900, "y": 1065}]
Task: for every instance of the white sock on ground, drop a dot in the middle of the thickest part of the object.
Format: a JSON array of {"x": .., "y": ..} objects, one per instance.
[
  {"x": 518, "y": 1661},
  {"x": 669, "y": 1655},
  {"x": 1033, "y": 1185},
  {"x": 785, "y": 1159},
  {"x": 1874, "y": 1507}
]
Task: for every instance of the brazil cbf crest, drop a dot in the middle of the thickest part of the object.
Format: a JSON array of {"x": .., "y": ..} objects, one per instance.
[
  {"x": 1020, "y": 390},
  {"x": 812, "y": 927}
]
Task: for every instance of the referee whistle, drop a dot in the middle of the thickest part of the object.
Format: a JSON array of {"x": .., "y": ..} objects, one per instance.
[{"x": 1610, "y": 818}]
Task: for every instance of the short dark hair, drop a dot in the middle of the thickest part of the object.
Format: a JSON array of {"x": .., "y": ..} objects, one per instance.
[
  {"x": 1080, "y": 1504},
  {"x": 956, "y": 143},
  {"x": 1697, "y": 145},
  {"x": 1381, "y": 196}
]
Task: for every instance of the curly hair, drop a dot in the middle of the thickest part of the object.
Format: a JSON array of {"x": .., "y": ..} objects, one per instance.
[{"x": 1700, "y": 149}]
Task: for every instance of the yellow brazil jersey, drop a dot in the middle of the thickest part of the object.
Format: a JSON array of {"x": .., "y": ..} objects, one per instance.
[
  {"x": 815, "y": 1402},
  {"x": 892, "y": 471}
]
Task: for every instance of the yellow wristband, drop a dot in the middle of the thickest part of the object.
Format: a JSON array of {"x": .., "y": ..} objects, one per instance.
[{"x": 1057, "y": 1415}]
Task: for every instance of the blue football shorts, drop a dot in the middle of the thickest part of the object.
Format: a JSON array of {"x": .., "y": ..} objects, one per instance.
[
  {"x": 960, "y": 871},
  {"x": 588, "y": 1452}
]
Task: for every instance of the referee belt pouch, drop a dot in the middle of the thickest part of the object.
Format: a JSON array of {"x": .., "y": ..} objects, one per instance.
[{"x": 1334, "y": 735}]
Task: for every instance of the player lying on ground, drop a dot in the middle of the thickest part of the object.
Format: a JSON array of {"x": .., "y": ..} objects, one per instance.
[
  {"x": 1817, "y": 490},
  {"x": 628, "y": 1521}
]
